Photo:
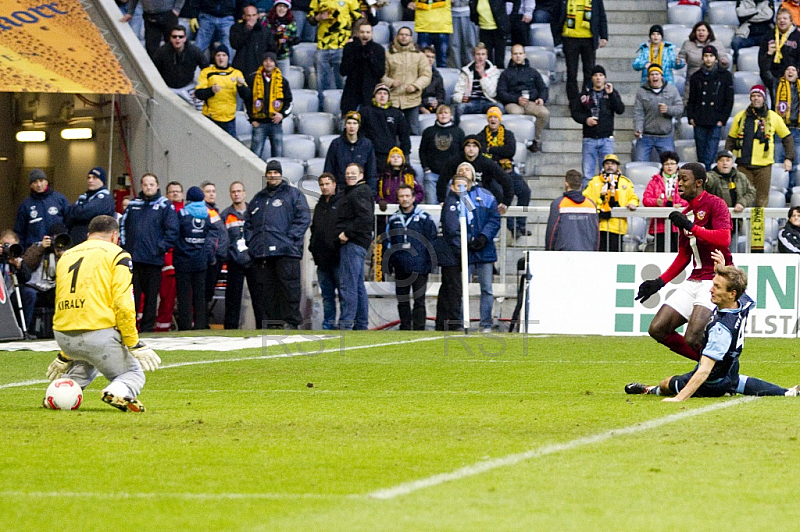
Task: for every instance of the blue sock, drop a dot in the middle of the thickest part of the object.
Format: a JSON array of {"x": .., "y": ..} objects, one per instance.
[{"x": 753, "y": 386}]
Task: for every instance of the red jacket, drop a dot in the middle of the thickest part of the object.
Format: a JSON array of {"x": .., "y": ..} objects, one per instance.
[{"x": 656, "y": 189}]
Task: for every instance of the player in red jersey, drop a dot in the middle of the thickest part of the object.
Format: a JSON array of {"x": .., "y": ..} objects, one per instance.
[{"x": 708, "y": 230}]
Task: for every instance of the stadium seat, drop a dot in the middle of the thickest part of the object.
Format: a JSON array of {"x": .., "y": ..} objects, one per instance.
[
  {"x": 311, "y": 78},
  {"x": 324, "y": 143},
  {"x": 305, "y": 101},
  {"x": 472, "y": 124},
  {"x": 303, "y": 54},
  {"x": 397, "y": 24},
  {"x": 293, "y": 169},
  {"x": 415, "y": 142},
  {"x": 310, "y": 187},
  {"x": 684, "y": 130},
  {"x": 521, "y": 158},
  {"x": 244, "y": 130},
  {"x": 418, "y": 170},
  {"x": 331, "y": 101},
  {"x": 780, "y": 178},
  {"x": 641, "y": 172},
  {"x": 724, "y": 34},
  {"x": 520, "y": 125},
  {"x": 381, "y": 33},
  {"x": 426, "y": 121},
  {"x": 450, "y": 78},
  {"x": 777, "y": 199},
  {"x": 542, "y": 59},
  {"x": 743, "y": 81},
  {"x": 740, "y": 103},
  {"x": 392, "y": 12},
  {"x": 676, "y": 33},
  {"x": 686, "y": 150},
  {"x": 541, "y": 35},
  {"x": 748, "y": 59},
  {"x": 680, "y": 84},
  {"x": 315, "y": 124},
  {"x": 683, "y": 14},
  {"x": 296, "y": 77},
  {"x": 315, "y": 166},
  {"x": 727, "y": 127},
  {"x": 288, "y": 125},
  {"x": 795, "y": 200},
  {"x": 301, "y": 147},
  {"x": 722, "y": 13}
]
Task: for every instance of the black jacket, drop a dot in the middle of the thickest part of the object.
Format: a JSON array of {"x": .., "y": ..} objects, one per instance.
[
  {"x": 247, "y": 95},
  {"x": 609, "y": 105},
  {"x": 434, "y": 90},
  {"x": 324, "y": 243},
  {"x": 386, "y": 128},
  {"x": 250, "y": 46},
  {"x": 439, "y": 144},
  {"x": 488, "y": 175},
  {"x": 506, "y": 151},
  {"x": 356, "y": 214},
  {"x": 598, "y": 24},
  {"x": 90, "y": 204},
  {"x": 770, "y": 71},
  {"x": 341, "y": 153},
  {"x": 177, "y": 69},
  {"x": 276, "y": 221},
  {"x": 498, "y": 8},
  {"x": 710, "y": 97},
  {"x": 517, "y": 78},
  {"x": 364, "y": 65},
  {"x": 219, "y": 8}
]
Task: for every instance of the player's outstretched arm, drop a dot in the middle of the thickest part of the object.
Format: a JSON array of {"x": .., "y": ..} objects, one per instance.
[{"x": 700, "y": 376}]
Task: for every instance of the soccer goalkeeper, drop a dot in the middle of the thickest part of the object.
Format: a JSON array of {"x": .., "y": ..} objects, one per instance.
[{"x": 95, "y": 319}]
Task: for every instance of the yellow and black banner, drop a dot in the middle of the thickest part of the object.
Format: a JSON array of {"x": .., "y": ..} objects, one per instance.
[{"x": 55, "y": 47}]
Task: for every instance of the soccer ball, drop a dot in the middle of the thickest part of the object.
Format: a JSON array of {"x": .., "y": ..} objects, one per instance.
[{"x": 63, "y": 394}]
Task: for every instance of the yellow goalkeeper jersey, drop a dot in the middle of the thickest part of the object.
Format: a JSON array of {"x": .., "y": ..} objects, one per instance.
[{"x": 94, "y": 290}]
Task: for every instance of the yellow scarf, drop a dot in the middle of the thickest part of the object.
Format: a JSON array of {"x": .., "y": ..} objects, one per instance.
[
  {"x": 275, "y": 101},
  {"x": 780, "y": 41},
  {"x": 656, "y": 57},
  {"x": 492, "y": 140},
  {"x": 783, "y": 98}
]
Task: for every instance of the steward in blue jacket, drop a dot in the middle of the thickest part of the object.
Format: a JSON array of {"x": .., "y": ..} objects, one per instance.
[
  {"x": 95, "y": 201},
  {"x": 40, "y": 211},
  {"x": 149, "y": 228}
]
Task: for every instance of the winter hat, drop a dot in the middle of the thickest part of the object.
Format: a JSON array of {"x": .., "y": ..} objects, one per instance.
[
  {"x": 656, "y": 28},
  {"x": 469, "y": 165},
  {"x": 36, "y": 174},
  {"x": 759, "y": 89},
  {"x": 195, "y": 194},
  {"x": 222, "y": 48},
  {"x": 494, "y": 111},
  {"x": 655, "y": 66},
  {"x": 353, "y": 115},
  {"x": 598, "y": 69},
  {"x": 471, "y": 138},
  {"x": 397, "y": 151},
  {"x": 287, "y": 3},
  {"x": 271, "y": 55},
  {"x": 274, "y": 166},
  {"x": 99, "y": 173},
  {"x": 709, "y": 49},
  {"x": 380, "y": 87}
]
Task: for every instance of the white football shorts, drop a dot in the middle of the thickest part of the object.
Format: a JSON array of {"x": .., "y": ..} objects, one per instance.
[{"x": 689, "y": 294}]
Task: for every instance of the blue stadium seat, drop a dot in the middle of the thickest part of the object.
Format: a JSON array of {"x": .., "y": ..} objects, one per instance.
[
  {"x": 288, "y": 125},
  {"x": 724, "y": 34},
  {"x": 426, "y": 121},
  {"x": 293, "y": 169},
  {"x": 244, "y": 130},
  {"x": 315, "y": 166},
  {"x": 520, "y": 125},
  {"x": 740, "y": 103},
  {"x": 780, "y": 178},
  {"x": 641, "y": 172},
  {"x": 415, "y": 142},
  {"x": 309, "y": 186},
  {"x": 680, "y": 83},
  {"x": 684, "y": 130},
  {"x": 542, "y": 59}
]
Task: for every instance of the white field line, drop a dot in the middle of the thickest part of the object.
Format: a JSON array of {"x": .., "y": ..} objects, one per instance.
[
  {"x": 159, "y": 495},
  {"x": 262, "y": 357},
  {"x": 513, "y": 459}
]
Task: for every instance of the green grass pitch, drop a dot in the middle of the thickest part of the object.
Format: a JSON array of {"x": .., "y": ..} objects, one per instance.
[{"x": 306, "y": 441}]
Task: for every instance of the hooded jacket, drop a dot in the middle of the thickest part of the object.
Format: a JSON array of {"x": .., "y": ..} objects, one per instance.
[
  {"x": 149, "y": 228},
  {"x": 410, "y": 66},
  {"x": 276, "y": 221},
  {"x": 90, "y": 204},
  {"x": 572, "y": 224},
  {"x": 37, "y": 213},
  {"x": 669, "y": 61},
  {"x": 197, "y": 236},
  {"x": 517, "y": 78}
]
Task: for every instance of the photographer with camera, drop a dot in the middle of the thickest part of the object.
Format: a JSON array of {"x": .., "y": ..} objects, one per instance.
[
  {"x": 15, "y": 275},
  {"x": 39, "y": 211},
  {"x": 41, "y": 260},
  {"x": 95, "y": 201},
  {"x": 611, "y": 189}
]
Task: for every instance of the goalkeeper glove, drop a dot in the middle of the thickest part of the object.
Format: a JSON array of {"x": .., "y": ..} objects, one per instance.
[
  {"x": 648, "y": 288},
  {"x": 59, "y": 366},
  {"x": 146, "y": 356},
  {"x": 680, "y": 220},
  {"x": 194, "y": 25}
]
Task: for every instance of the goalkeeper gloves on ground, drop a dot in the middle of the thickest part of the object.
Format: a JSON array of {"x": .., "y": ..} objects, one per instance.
[
  {"x": 648, "y": 288},
  {"x": 146, "y": 356},
  {"x": 58, "y": 367}
]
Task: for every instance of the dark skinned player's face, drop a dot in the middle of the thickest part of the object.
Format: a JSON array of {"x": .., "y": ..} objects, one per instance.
[{"x": 688, "y": 187}]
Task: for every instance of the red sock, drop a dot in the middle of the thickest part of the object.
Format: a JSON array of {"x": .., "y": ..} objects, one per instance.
[{"x": 677, "y": 343}]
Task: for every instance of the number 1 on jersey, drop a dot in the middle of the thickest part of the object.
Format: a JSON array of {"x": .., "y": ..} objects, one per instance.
[{"x": 74, "y": 269}]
